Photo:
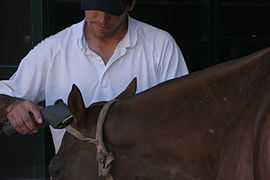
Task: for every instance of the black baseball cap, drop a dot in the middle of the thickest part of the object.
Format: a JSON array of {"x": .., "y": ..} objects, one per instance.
[{"x": 114, "y": 7}]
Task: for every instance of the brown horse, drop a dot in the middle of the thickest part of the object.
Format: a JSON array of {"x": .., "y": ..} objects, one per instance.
[{"x": 210, "y": 125}]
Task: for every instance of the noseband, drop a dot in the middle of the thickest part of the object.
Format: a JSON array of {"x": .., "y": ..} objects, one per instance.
[{"x": 103, "y": 157}]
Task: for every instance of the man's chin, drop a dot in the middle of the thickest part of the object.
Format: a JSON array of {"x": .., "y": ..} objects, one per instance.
[{"x": 103, "y": 35}]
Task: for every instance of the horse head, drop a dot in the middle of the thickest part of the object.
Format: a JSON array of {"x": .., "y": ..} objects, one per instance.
[{"x": 69, "y": 157}]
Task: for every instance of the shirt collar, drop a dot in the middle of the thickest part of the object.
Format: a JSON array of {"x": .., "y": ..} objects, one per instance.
[
  {"x": 130, "y": 38},
  {"x": 128, "y": 41}
]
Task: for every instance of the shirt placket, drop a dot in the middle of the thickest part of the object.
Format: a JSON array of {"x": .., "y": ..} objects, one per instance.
[{"x": 102, "y": 69}]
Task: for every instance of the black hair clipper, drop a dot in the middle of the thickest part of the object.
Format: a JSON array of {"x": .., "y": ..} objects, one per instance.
[{"x": 57, "y": 115}]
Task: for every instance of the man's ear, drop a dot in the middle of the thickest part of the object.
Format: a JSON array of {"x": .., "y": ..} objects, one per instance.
[
  {"x": 75, "y": 102},
  {"x": 130, "y": 90}
]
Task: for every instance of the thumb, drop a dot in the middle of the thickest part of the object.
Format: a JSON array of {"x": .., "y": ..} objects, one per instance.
[{"x": 36, "y": 112}]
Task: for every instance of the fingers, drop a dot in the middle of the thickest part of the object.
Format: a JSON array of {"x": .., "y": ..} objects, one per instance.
[
  {"x": 27, "y": 124},
  {"x": 17, "y": 124},
  {"x": 25, "y": 117}
]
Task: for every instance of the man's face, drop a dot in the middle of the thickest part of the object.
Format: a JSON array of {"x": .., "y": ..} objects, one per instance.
[{"x": 103, "y": 24}]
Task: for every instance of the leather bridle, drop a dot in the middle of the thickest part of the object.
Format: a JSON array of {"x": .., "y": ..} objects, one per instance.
[{"x": 103, "y": 157}]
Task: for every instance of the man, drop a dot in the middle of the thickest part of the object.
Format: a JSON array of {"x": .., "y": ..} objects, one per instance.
[{"x": 101, "y": 55}]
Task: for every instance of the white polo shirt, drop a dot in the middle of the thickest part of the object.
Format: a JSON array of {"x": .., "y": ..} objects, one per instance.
[{"x": 54, "y": 65}]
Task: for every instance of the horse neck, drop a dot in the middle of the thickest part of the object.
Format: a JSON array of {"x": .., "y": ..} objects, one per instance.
[{"x": 204, "y": 99}]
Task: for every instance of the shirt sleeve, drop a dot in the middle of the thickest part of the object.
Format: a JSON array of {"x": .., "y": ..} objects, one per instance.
[
  {"x": 29, "y": 80},
  {"x": 172, "y": 63}
]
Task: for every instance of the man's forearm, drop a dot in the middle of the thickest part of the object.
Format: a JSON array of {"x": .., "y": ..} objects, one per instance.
[{"x": 5, "y": 101}]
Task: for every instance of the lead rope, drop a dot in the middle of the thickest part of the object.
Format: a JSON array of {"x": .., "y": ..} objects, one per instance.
[
  {"x": 74, "y": 132},
  {"x": 104, "y": 158}
]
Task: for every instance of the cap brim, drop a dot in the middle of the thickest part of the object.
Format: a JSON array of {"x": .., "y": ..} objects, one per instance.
[{"x": 113, "y": 7}]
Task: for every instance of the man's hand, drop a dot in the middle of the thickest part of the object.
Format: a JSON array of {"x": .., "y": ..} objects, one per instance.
[{"x": 24, "y": 116}]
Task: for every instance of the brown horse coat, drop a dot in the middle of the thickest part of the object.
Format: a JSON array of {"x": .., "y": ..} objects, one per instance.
[{"x": 211, "y": 125}]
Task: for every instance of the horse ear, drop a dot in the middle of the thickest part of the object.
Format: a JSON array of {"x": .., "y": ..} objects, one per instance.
[
  {"x": 130, "y": 91},
  {"x": 75, "y": 102}
]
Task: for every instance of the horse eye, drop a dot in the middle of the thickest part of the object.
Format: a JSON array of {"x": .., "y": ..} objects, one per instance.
[{"x": 55, "y": 167}]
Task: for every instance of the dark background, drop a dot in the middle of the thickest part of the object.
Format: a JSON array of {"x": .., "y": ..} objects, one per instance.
[{"x": 208, "y": 31}]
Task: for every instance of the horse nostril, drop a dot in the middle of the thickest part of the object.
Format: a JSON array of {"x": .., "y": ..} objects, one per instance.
[{"x": 55, "y": 167}]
